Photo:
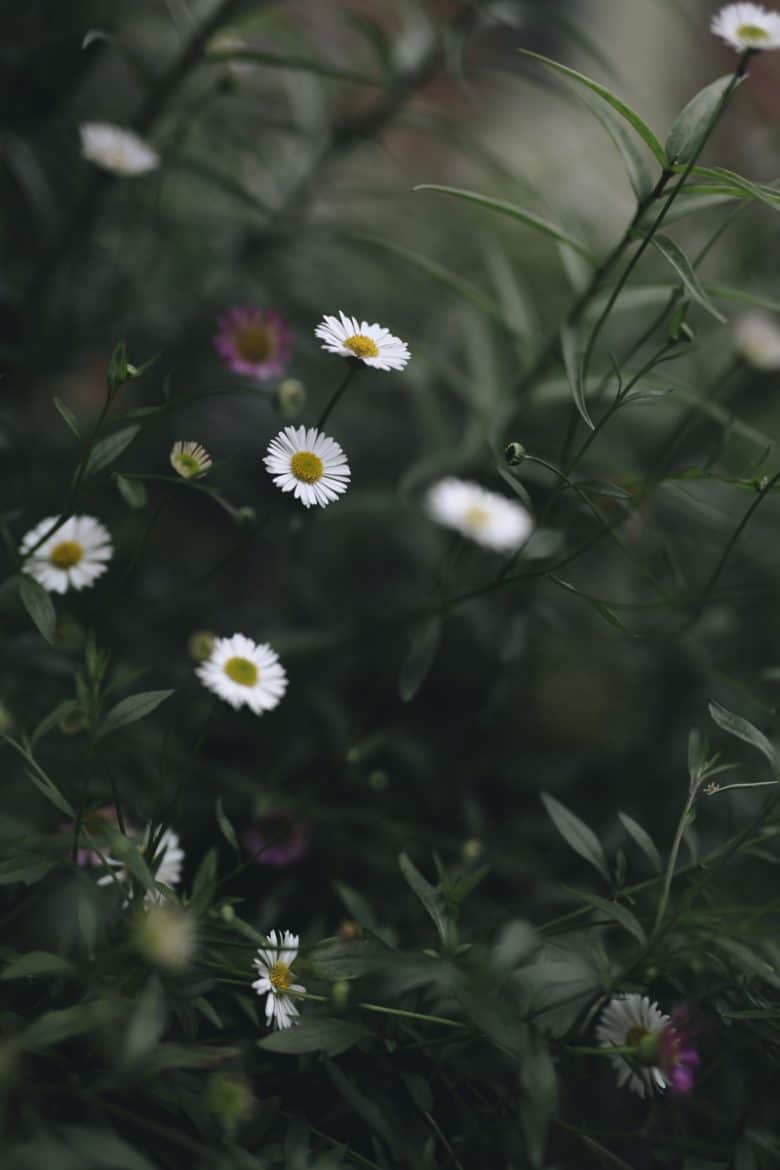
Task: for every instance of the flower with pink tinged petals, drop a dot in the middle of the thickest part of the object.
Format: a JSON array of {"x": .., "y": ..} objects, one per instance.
[{"x": 253, "y": 341}]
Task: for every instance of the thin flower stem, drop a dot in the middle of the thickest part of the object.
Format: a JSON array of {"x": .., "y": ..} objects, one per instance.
[
  {"x": 682, "y": 825},
  {"x": 606, "y": 1050},
  {"x": 336, "y": 395},
  {"x": 387, "y": 1011}
]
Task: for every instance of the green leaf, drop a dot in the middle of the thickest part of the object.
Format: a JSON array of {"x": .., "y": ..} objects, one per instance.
[
  {"x": 98, "y": 1147},
  {"x": 315, "y": 1034},
  {"x": 28, "y": 870},
  {"x": 205, "y": 884},
  {"x": 638, "y": 169},
  {"x": 228, "y": 832},
  {"x": 744, "y": 730},
  {"x": 617, "y": 912},
  {"x": 429, "y": 895},
  {"x": 643, "y": 839},
  {"x": 68, "y": 416},
  {"x": 36, "y": 963},
  {"x": 577, "y": 834},
  {"x": 539, "y": 1097},
  {"x": 50, "y": 790},
  {"x": 629, "y": 115},
  {"x": 39, "y": 606},
  {"x": 144, "y": 1027},
  {"x": 529, "y": 218},
  {"x": 694, "y": 123},
  {"x": 107, "y": 450},
  {"x": 52, "y": 1028},
  {"x": 684, "y": 269},
  {"x": 572, "y": 362},
  {"x": 49, "y": 722},
  {"x": 420, "y": 657},
  {"x": 132, "y": 491},
  {"x": 366, "y": 1109},
  {"x": 130, "y": 710}
]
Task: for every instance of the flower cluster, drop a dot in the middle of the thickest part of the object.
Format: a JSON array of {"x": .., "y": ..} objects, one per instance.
[{"x": 663, "y": 1054}]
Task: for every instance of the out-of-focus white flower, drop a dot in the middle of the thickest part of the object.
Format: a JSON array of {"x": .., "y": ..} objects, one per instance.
[
  {"x": 372, "y": 344},
  {"x": 309, "y": 464},
  {"x": 72, "y": 557},
  {"x": 491, "y": 520},
  {"x": 747, "y": 26},
  {"x": 166, "y": 935},
  {"x": 166, "y": 865},
  {"x": 112, "y": 148},
  {"x": 243, "y": 672},
  {"x": 275, "y": 979},
  {"x": 189, "y": 460},
  {"x": 757, "y": 339}
]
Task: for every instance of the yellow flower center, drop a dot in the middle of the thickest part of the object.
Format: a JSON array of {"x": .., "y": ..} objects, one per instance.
[
  {"x": 306, "y": 466},
  {"x": 635, "y": 1035},
  {"x": 752, "y": 32},
  {"x": 280, "y": 977},
  {"x": 66, "y": 554},
  {"x": 188, "y": 465},
  {"x": 362, "y": 346},
  {"x": 476, "y": 517},
  {"x": 242, "y": 671},
  {"x": 254, "y": 343}
]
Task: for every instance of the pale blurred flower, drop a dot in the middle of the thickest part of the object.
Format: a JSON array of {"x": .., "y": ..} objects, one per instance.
[
  {"x": 200, "y": 645},
  {"x": 243, "y": 672},
  {"x": 491, "y": 520},
  {"x": 189, "y": 460},
  {"x": 309, "y": 464},
  {"x": 166, "y": 935},
  {"x": 747, "y": 26},
  {"x": 72, "y": 557},
  {"x": 166, "y": 866},
  {"x": 757, "y": 339},
  {"x": 117, "y": 150},
  {"x": 253, "y": 341},
  {"x": 290, "y": 397},
  {"x": 372, "y": 344},
  {"x": 275, "y": 979}
]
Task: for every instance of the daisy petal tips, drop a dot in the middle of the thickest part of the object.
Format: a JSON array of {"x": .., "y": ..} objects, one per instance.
[
  {"x": 747, "y": 26},
  {"x": 244, "y": 673},
  {"x": 73, "y": 556},
  {"x": 309, "y": 464},
  {"x": 114, "y": 149},
  {"x": 371, "y": 344}
]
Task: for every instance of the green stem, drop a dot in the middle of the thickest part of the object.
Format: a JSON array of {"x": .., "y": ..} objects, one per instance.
[
  {"x": 682, "y": 825},
  {"x": 334, "y": 398},
  {"x": 387, "y": 1011}
]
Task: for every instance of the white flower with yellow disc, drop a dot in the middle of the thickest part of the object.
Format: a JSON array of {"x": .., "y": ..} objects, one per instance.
[
  {"x": 309, "y": 464},
  {"x": 372, "y": 344},
  {"x": 244, "y": 673},
  {"x": 275, "y": 979},
  {"x": 72, "y": 555}
]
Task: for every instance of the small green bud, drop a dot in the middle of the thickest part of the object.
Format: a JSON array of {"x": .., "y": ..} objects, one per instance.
[
  {"x": 290, "y": 397},
  {"x": 244, "y": 515},
  {"x": 649, "y": 1048},
  {"x": 228, "y": 913},
  {"x": 472, "y": 850},
  {"x": 378, "y": 780},
  {"x": 73, "y": 722},
  {"x": 339, "y": 994},
  {"x": 230, "y": 1099},
  {"x": 200, "y": 645},
  {"x": 514, "y": 453}
]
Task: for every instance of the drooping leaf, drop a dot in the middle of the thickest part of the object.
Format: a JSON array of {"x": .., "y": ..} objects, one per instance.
[
  {"x": 419, "y": 658},
  {"x": 694, "y": 122},
  {"x": 429, "y": 895},
  {"x": 744, "y": 730},
  {"x": 67, "y": 415},
  {"x": 228, "y": 832},
  {"x": 529, "y": 218},
  {"x": 130, "y": 710},
  {"x": 572, "y": 360},
  {"x": 638, "y": 169},
  {"x": 132, "y": 491},
  {"x": 617, "y": 912},
  {"x": 643, "y": 839},
  {"x": 35, "y": 964},
  {"x": 577, "y": 834},
  {"x": 684, "y": 269},
  {"x": 315, "y": 1034},
  {"x": 107, "y": 450},
  {"x": 39, "y": 606},
  {"x": 625, "y": 112}
]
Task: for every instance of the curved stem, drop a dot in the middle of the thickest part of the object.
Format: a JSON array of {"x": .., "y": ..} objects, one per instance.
[{"x": 338, "y": 392}]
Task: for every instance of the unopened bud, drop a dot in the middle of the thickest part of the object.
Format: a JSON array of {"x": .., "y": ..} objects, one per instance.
[
  {"x": 74, "y": 722},
  {"x": 472, "y": 850},
  {"x": 514, "y": 453},
  {"x": 244, "y": 515},
  {"x": 378, "y": 780},
  {"x": 200, "y": 645},
  {"x": 228, "y": 913},
  {"x": 348, "y": 930},
  {"x": 290, "y": 397},
  {"x": 230, "y": 1099},
  {"x": 339, "y": 994}
]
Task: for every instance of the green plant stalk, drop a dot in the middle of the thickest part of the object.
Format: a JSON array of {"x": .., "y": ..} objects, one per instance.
[
  {"x": 682, "y": 825},
  {"x": 334, "y": 398}
]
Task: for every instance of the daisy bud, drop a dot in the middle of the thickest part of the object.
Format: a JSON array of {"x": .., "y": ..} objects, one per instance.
[
  {"x": 348, "y": 930},
  {"x": 189, "y": 459},
  {"x": 166, "y": 936},
  {"x": 244, "y": 515},
  {"x": 339, "y": 994},
  {"x": 514, "y": 453},
  {"x": 200, "y": 645},
  {"x": 73, "y": 722},
  {"x": 227, "y": 913},
  {"x": 290, "y": 398},
  {"x": 229, "y": 1098},
  {"x": 378, "y": 780},
  {"x": 472, "y": 850}
]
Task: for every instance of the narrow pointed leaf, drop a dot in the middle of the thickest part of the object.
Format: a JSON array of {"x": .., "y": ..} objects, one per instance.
[
  {"x": 428, "y": 894},
  {"x": 529, "y": 218},
  {"x": 744, "y": 730},
  {"x": 577, "y": 834},
  {"x": 682, "y": 266},
  {"x": 419, "y": 658},
  {"x": 617, "y": 912},
  {"x": 643, "y": 839},
  {"x": 131, "y": 709},
  {"x": 68, "y": 416},
  {"x": 107, "y": 450},
  {"x": 573, "y": 364},
  {"x": 629, "y": 115},
  {"x": 694, "y": 123},
  {"x": 39, "y": 606}
]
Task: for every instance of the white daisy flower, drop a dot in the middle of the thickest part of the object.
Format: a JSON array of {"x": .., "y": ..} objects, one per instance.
[
  {"x": 308, "y": 463},
  {"x": 372, "y": 344},
  {"x": 489, "y": 519},
  {"x": 189, "y": 460},
  {"x": 241, "y": 671},
  {"x": 747, "y": 26},
  {"x": 166, "y": 866},
  {"x": 627, "y": 1020},
  {"x": 757, "y": 340},
  {"x": 72, "y": 557},
  {"x": 112, "y": 148},
  {"x": 273, "y": 965}
]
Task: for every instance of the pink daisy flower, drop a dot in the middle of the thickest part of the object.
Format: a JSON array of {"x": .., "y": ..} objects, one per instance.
[
  {"x": 253, "y": 341},
  {"x": 277, "y": 839},
  {"x": 678, "y": 1055}
]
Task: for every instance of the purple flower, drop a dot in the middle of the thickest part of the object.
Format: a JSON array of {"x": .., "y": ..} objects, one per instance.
[
  {"x": 276, "y": 839},
  {"x": 253, "y": 341},
  {"x": 678, "y": 1056},
  {"x": 95, "y": 823}
]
